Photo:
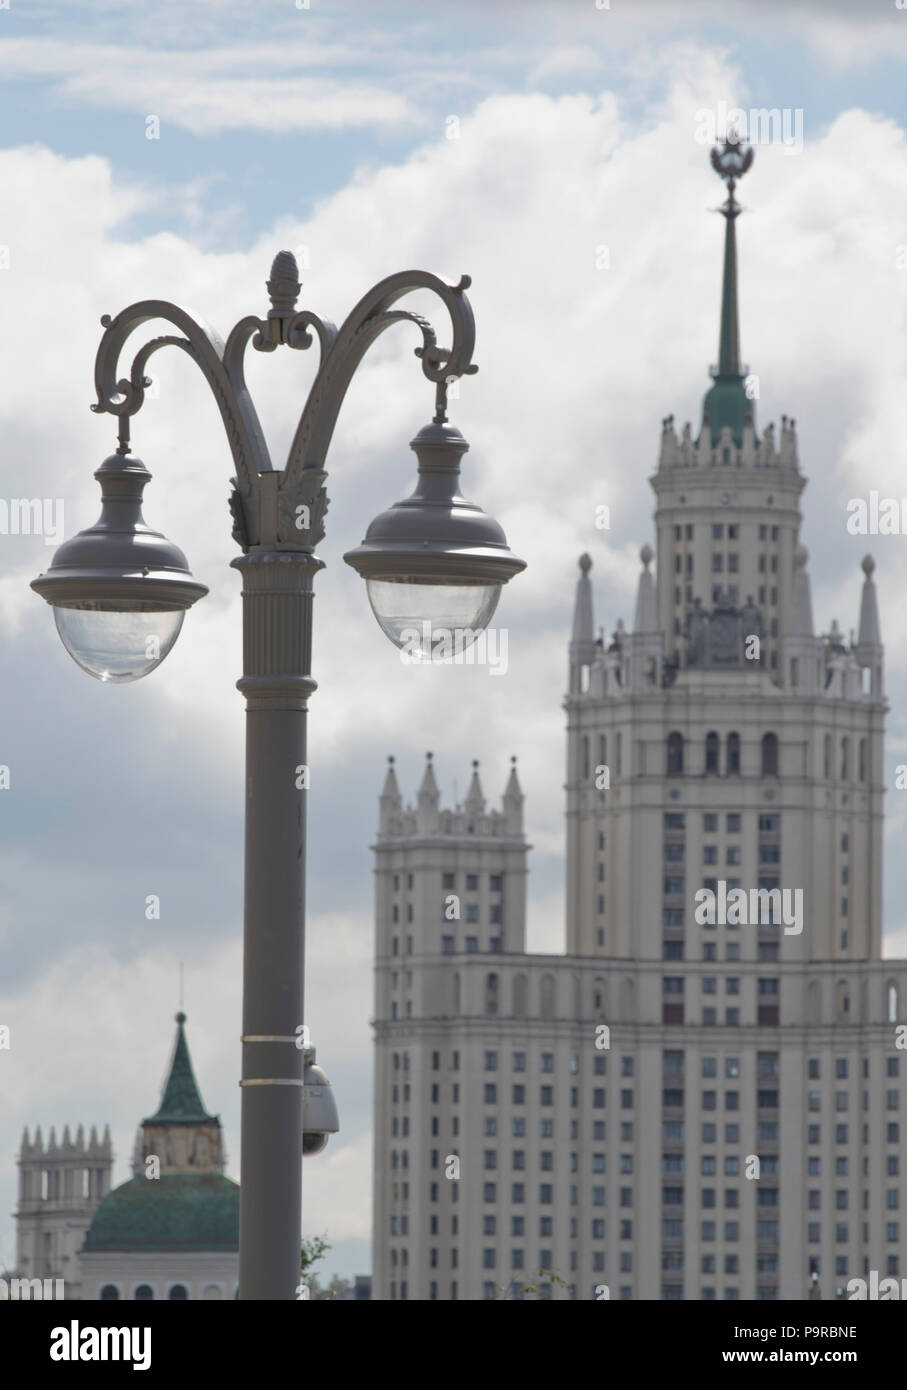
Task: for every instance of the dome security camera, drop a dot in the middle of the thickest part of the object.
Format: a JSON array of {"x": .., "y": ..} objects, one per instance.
[{"x": 319, "y": 1108}]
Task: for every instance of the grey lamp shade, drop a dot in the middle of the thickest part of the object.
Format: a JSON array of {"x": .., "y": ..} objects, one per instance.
[{"x": 435, "y": 536}]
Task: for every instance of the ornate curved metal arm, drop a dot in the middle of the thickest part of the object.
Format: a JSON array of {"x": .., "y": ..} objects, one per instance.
[
  {"x": 367, "y": 321},
  {"x": 222, "y": 368},
  {"x": 285, "y": 509}
]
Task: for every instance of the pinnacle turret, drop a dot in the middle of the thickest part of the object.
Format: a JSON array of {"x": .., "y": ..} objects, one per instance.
[
  {"x": 475, "y": 797},
  {"x": 645, "y": 618},
  {"x": 802, "y": 604},
  {"x": 583, "y": 647}
]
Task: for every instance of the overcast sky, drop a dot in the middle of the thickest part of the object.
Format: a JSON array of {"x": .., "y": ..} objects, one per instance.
[{"x": 328, "y": 130}]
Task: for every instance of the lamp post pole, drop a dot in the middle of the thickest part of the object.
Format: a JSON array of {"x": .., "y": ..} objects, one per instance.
[
  {"x": 277, "y": 626},
  {"x": 114, "y": 584}
]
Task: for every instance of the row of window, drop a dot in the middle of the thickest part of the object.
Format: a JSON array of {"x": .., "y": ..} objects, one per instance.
[
  {"x": 766, "y": 532},
  {"x": 495, "y": 913},
  {"x": 518, "y": 1062},
  {"x": 769, "y": 822},
  {"x": 766, "y": 985},
  {"x": 546, "y": 1096},
  {"x": 729, "y": 594},
  {"x": 495, "y": 882},
  {"x": 683, "y": 564},
  {"x": 111, "y": 1292},
  {"x": 672, "y": 1098},
  {"x": 767, "y": 952},
  {"x": 546, "y": 1062},
  {"x": 675, "y": 853},
  {"x": 676, "y": 745},
  {"x": 546, "y": 1160},
  {"x": 674, "y": 886},
  {"x": 470, "y": 943}
]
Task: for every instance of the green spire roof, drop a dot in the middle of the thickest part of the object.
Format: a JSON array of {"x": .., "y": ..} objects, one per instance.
[
  {"x": 726, "y": 402},
  {"x": 181, "y": 1102}
]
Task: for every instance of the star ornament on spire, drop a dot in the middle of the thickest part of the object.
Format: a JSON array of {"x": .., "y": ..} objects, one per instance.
[{"x": 730, "y": 162}]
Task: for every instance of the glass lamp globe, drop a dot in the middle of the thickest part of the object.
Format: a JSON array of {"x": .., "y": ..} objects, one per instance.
[
  {"x": 118, "y": 646},
  {"x": 419, "y": 617}
]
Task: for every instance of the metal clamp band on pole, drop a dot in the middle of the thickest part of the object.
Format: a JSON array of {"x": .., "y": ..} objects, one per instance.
[
  {"x": 271, "y": 1081},
  {"x": 270, "y": 1037}
]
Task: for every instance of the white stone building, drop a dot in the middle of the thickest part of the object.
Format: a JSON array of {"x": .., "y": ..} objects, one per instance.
[
  {"x": 741, "y": 1129},
  {"x": 170, "y": 1232}
]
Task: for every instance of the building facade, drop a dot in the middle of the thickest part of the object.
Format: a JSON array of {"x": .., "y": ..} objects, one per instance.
[
  {"x": 61, "y": 1186},
  {"x": 170, "y": 1232},
  {"x": 702, "y": 1098}
]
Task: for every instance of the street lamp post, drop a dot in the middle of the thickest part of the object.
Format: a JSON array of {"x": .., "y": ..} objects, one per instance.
[{"x": 120, "y": 592}]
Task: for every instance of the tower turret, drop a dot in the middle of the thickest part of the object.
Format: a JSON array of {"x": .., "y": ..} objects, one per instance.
[
  {"x": 869, "y": 651},
  {"x": 583, "y": 648}
]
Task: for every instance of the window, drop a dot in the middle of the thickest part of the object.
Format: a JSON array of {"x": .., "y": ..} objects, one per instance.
[
  {"x": 769, "y": 755},
  {"x": 711, "y": 753},
  {"x": 675, "y": 755}
]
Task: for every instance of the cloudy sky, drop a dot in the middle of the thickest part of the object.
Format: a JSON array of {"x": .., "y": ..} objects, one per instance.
[{"x": 508, "y": 141}]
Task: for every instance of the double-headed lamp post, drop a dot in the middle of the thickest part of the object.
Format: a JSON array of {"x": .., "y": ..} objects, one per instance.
[{"x": 120, "y": 591}]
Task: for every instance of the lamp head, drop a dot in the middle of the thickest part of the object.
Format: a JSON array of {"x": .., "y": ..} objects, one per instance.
[
  {"x": 434, "y": 557},
  {"x": 119, "y": 590}
]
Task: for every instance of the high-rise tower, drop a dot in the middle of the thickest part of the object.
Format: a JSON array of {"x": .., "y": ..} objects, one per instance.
[
  {"x": 723, "y": 705},
  {"x": 686, "y": 1105}
]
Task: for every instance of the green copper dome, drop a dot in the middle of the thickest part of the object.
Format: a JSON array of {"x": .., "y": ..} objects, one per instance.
[
  {"x": 726, "y": 403},
  {"x": 179, "y": 1211}
]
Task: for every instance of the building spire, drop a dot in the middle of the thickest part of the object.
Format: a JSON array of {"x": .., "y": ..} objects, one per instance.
[
  {"x": 727, "y": 403},
  {"x": 869, "y": 633},
  {"x": 583, "y": 648},
  {"x": 429, "y": 800},
  {"x": 475, "y": 797},
  {"x": 181, "y": 1102},
  {"x": 513, "y": 801},
  {"x": 869, "y": 652},
  {"x": 802, "y": 607},
  {"x": 645, "y": 618}
]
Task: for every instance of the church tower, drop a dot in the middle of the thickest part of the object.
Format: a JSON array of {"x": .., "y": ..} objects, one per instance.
[
  {"x": 180, "y": 1135},
  {"x": 60, "y": 1187},
  {"x": 723, "y": 738}
]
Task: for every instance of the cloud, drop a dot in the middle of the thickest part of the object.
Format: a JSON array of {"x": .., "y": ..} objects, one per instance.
[{"x": 120, "y": 792}]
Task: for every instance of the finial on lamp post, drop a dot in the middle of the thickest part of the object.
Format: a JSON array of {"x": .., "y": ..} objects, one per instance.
[{"x": 283, "y": 284}]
